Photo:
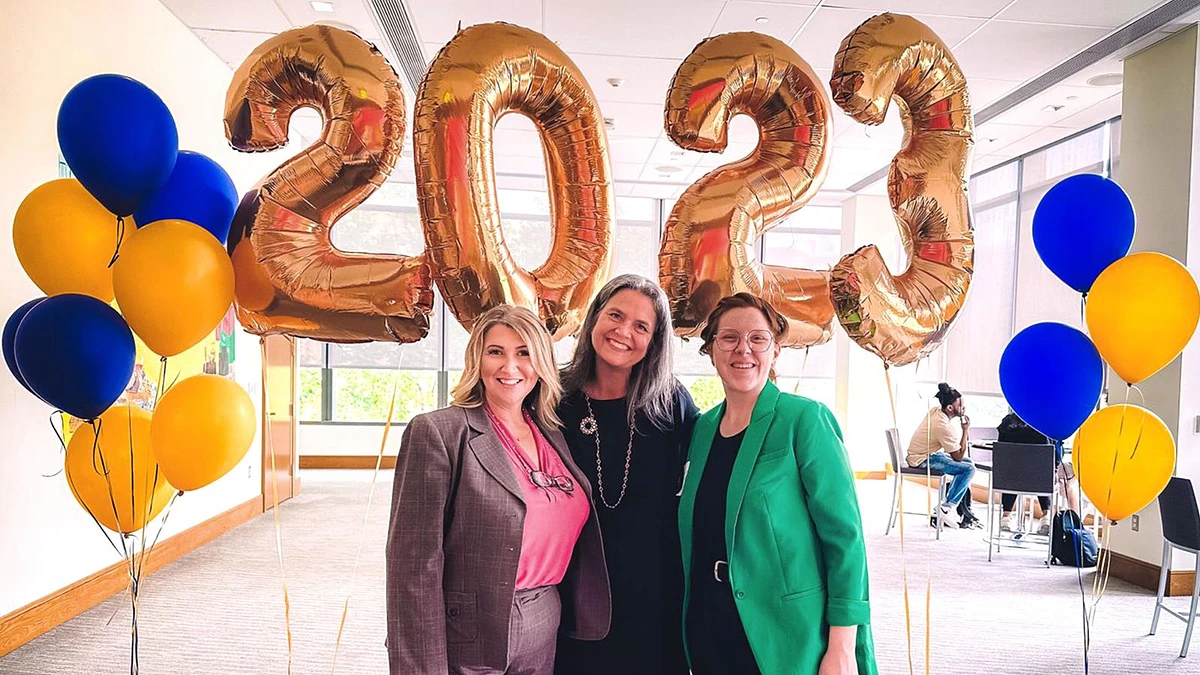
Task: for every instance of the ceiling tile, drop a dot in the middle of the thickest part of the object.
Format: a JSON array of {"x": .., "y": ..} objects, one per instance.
[
  {"x": 232, "y": 46},
  {"x": 1004, "y": 50},
  {"x": 849, "y": 165},
  {"x": 626, "y": 171},
  {"x": 629, "y": 150},
  {"x": 985, "y": 92},
  {"x": 645, "y": 80},
  {"x": 251, "y": 15},
  {"x": 656, "y": 191},
  {"x": 782, "y": 20},
  {"x": 641, "y": 120},
  {"x": 1105, "y": 13},
  {"x": 437, "y": 21},
  {"x": 963, "y": 8},
  {"x": 1036, "y": 111},
  {"x": 662, "y": 28},
  {"x": 819, "y": 41}
]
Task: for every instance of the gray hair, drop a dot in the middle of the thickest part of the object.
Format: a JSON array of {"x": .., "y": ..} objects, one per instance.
[{"x": 651, "y": 385}]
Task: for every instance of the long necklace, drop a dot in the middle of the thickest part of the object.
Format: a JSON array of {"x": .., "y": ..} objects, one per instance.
[{"x": 589, "y": 428}]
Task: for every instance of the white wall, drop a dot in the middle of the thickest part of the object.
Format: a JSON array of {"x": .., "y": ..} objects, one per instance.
[
  {"x": 1160, "y": 169},
  {"x": 46, "y": 540}
]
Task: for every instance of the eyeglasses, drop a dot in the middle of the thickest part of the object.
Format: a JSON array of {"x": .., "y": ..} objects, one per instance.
[
  {"x": 728, "y": 340},
  {"x": 544, "y": 480}
]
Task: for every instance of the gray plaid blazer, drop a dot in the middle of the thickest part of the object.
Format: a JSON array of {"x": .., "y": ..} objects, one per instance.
[{"x": 454, "y": 542}]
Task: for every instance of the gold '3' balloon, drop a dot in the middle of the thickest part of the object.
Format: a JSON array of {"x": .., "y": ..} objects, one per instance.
[
  {"x": 485, "y": 72},
  {"x": 289, "y": 277},
  {"x": 903, "y": 318},
  {"x": 708, "y": 246}
]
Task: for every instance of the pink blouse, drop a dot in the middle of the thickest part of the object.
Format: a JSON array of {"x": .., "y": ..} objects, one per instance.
[{"x": 553, "y": 518}]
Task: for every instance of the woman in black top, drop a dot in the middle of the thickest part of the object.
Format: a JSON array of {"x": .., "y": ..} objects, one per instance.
[{"x": 628, "y": 421}]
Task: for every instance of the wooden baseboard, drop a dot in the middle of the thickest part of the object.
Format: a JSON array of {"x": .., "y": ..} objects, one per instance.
[
  {"x": 1144, "y": 574},
  {"x": 40, "y": 616},
  {"x": 870, "y": 475},
  {"x": 345, "y": 461}
]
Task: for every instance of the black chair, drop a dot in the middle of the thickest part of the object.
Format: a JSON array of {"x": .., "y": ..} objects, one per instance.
[
  {"x": 901, "y": 469},
  {"x": 1181, "y": 530},
  {"x": 1021, "y": 469}
]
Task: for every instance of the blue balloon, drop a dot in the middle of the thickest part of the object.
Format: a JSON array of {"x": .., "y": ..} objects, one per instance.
[
  {"x": 1083, "y": 225},
  {"x": 198, "y": 191},
  {"x": 1052, "y": 375},
  {"x": 9, "y": 339},
  {"x": 76, "y": 353},
  {"x": 119, "y": 140}
]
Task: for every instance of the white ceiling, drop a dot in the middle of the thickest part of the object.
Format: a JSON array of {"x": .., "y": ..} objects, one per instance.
[{"x": 1000, "y": 44}]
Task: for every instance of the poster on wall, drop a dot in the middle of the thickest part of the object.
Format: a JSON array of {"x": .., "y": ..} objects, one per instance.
[{"x": 215, "y": 355}]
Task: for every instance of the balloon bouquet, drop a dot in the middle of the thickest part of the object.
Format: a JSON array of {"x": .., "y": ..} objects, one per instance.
[
  {"x": 172, "y": 283},
  {"x": 1141, "y": 310}
]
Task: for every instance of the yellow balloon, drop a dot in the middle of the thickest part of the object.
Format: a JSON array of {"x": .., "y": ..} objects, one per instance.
[
  {"x": 202, "y": 428},
  {"x": 173, "y": 283},
  {"x": 1141, "y": 312},
  {"x": 65, "y": 239},
  {"x": 1124, "y": 455},
  {"x": 134, "y": 490}
]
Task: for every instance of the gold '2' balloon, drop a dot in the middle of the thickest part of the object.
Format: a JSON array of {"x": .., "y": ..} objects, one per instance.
[
  {"x": 903, "y": 318},
  {"x": 289, "y": 277},
  {"x": 708, "y": 246},
  {"x": 483, "y": 73}
]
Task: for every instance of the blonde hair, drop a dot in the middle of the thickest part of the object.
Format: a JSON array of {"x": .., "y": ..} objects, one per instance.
[{"x": 543, "y": 399}]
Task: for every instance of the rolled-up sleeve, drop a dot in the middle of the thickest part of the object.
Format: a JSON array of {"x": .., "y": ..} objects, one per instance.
[
  {"x": 829, "y": 485},
  {"x": 416, "y": 621}
]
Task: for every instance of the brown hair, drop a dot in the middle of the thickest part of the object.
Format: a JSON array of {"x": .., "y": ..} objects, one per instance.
[
  {"x": 544, "y": 398},
  {"x": 778, "y": 324}
]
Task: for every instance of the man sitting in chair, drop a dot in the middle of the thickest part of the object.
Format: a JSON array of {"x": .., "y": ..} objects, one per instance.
[{"x": 940, "y": 446}]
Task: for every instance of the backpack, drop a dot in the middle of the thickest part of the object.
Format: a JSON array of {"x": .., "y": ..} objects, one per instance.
[{"x": 1072, "y": 544}]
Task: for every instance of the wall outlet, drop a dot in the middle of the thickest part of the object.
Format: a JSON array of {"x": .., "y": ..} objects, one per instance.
[
  {"x": 249, "y": 471},
  {"x": 1134, "y": 522}
]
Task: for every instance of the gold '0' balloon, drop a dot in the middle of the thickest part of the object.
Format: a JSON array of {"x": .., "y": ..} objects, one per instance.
[
  {"x": 708, "y": 246},
  {"x": 903, "y": 318},
  {"x": 289, "y": 277},
  {"x": 483, "y": 73}
]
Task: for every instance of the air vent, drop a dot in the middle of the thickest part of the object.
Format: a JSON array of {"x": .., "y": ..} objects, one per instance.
[{"x": 401, "y": 35}]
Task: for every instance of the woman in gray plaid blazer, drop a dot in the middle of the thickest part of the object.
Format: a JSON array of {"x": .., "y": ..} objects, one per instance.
[{"x": 486, "y": 508}]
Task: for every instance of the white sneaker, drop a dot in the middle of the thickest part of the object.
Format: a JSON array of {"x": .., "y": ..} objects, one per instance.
[
  {"x": 1008, "y": 523},
  {"x": 1044, "y": 525},
  {"x": 948, "y": 516}
]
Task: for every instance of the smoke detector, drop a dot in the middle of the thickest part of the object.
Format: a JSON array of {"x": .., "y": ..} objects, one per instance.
[
  {"x": 615, "y": 82},
  {"x": 610, "y": 123}
]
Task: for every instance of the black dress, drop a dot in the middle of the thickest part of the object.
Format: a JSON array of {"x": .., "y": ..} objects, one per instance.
[
  {"x": 641, "y": 538},
  {"x": 716, "y": 638}
]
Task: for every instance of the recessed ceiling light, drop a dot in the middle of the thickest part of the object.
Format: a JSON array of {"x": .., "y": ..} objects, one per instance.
[
  {"x": 761, "y": 19},
  {"x": 1106, "y": 80},
  {"x": 615, "y": 82},
  {"x": 610, "y": 123},
  {"x": 321, "y": 6},
  {"x": 667, "y": 168}
]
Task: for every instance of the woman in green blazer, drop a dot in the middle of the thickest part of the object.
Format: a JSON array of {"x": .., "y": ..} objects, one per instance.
[{"x": 775, "y": 569}]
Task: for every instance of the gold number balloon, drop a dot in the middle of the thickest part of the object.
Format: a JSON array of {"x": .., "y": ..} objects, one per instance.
[
  {"x": 289, "y": 277},
  {"x": 708, "y": 247},
  {"x": 483, "y": 73},
  {"x": 903, "y": 318}
]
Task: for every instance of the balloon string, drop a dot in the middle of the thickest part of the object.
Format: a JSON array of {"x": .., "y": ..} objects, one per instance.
[
  {"x": 120, "y": 237},
  {"x": 362, "y": 535},
  {"x": 900, "y": 493},
  {"x": 803, "y": 370},
  {"x": 62, "y": 443},
  {"x": 287, "y": 605},
  {"x": 88, "y": 510}
]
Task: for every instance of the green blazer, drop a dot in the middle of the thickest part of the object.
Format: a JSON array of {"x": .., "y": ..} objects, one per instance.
[{"x": 797, "y": 562}]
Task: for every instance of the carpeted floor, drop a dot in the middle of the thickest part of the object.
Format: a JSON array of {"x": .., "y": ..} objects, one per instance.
[{"x": 220, "y": 609}]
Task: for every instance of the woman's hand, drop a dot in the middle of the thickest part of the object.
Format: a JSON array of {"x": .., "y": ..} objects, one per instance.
[{"x": 839, "y": 655}]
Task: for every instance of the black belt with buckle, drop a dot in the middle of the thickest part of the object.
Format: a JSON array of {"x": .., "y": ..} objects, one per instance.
[{"x": 717, "y": 571}]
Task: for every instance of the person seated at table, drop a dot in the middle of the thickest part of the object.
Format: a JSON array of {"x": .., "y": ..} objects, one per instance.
[
  {"x": 938, "y": 445},
  {"x": 1013, "y": 429}
]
